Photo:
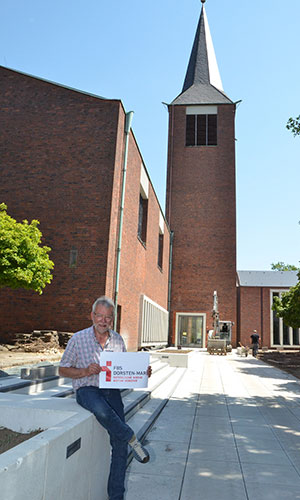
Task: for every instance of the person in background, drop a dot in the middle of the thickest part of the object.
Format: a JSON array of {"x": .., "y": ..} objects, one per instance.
[
  {"x": 81, "y": 363},
  {"x": 254, "y": 343}
]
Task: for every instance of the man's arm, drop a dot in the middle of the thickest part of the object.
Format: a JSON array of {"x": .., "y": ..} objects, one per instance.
[{"x": 71, "y": 372}]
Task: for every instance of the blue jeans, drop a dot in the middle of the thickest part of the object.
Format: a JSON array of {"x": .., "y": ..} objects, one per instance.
[
  {"x": 107, "y": 406},
  {"x": 254, "y": 349}
]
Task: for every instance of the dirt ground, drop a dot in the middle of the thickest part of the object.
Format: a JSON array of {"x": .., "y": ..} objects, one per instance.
[
  {"x": 10, "y": 359},
  {"x": 288, "y": 361},
  {"x": 9, "y": 439}
]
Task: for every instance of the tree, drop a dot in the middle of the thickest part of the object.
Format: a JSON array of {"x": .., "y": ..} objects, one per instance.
[
  {"x": 293, "y": 124},
  {"x": 288, "y": 306},
  {"x": 24, "y": 263},
  {"x": 281, "y": 266}
]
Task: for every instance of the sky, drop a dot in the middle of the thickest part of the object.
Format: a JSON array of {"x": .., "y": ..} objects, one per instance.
[{"x": 138, "y": 51}]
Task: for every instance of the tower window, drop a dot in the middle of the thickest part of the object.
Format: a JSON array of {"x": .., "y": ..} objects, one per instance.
[{"x": 201, "y": 130}]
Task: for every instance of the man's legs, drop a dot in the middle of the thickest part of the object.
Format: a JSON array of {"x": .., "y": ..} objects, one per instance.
[
  {"x": 254, "y": 350},
  {"x": 108, "y": 408},
  {"x": 119, "y": 452}
]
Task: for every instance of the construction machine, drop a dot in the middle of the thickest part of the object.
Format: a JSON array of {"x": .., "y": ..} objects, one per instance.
[{"x": 219, "y": 339}]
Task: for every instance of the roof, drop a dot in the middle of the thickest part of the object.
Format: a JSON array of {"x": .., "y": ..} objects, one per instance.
[
  {"x": 284, "y": 279},
  {"x": 202, "y": 84},
  {"x": 57, "y": 84}
]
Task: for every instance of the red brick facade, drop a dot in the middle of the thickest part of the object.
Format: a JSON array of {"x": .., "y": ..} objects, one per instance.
[
  {"x": 62, "y": 157},
  {"x": 200, "y": 209},
  {"x": 254, "y": 313}
]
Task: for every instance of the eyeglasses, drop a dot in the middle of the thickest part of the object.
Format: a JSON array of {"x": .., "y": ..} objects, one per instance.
[{"x": 102, "y": 316}]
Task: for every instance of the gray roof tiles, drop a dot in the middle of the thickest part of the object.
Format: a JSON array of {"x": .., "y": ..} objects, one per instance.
[
  {"x": 272, "y": 279},
  {"x": 202, "y": 84},
  {"x": 200, "y": 93}
]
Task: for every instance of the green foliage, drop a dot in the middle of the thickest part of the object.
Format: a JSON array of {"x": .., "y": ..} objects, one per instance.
[
  {"x": 24, "y": 263},
  {"x": 288, "y": 306},
  {"x": 293, "y": 125},
  {"x": 281, "y": 266}
]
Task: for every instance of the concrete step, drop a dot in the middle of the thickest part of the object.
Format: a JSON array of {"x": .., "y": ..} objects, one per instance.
[
  {"x": 17, "y": 385},
  {"x": 142, "y": 421}
]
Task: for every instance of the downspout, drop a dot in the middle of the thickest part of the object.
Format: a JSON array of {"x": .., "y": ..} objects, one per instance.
[
  {"x": 170, "y": 280},
  {"x": 128, "y": 120}
]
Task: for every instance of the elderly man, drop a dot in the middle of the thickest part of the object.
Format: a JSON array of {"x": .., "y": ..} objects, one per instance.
[{"x": 80, "y": 362}]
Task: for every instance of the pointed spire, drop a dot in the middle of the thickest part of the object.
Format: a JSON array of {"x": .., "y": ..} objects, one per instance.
[{"x": 202, "y": 84}]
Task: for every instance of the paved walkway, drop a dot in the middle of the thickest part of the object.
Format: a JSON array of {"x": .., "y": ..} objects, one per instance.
[{"x": 230, "y": 431}]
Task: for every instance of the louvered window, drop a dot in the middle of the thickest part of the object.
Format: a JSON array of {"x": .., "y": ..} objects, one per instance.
[{"x": 201, "y": 130}]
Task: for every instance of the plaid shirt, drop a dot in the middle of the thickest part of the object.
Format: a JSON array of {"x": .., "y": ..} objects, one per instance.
[{"x": 83, "y": 349}]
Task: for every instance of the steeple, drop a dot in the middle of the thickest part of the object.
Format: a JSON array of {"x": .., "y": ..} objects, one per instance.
[{"x": 202, "y": 84}]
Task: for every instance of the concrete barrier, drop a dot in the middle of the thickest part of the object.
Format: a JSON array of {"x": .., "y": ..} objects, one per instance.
[
  {"x": 68, "y": 461},
  {"x": 175, "y": 359}
]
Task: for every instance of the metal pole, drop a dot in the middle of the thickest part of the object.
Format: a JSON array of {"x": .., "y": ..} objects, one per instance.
[{"x": 128, "y": 120}]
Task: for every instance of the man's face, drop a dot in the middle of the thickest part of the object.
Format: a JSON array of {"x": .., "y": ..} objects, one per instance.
[{"x": 102, "y": 318}]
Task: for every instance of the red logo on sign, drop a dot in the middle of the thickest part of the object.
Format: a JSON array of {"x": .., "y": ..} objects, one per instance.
[{"x": 107, "y": 370}]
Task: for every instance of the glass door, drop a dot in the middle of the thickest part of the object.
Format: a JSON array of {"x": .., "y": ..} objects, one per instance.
[{"x": 190, "y": 329}]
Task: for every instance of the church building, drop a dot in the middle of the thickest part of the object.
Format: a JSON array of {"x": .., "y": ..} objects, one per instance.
[{"x": 70, "y": 159}]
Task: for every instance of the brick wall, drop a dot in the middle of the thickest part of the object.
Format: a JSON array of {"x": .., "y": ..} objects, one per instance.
[
  {"x": 254, "y": 314},
  {"x": 62, "y": 153},
  {"x": 140, "y": 273},
  {"x": 58, "y": 164},
  {"x": 200, "y": 209}
]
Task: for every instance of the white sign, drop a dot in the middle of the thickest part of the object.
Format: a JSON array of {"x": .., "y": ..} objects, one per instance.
[{"x": 123, "y": 370}]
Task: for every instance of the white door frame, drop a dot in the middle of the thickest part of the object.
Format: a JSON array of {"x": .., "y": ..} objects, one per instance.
[{"x": 191, "y": 314}]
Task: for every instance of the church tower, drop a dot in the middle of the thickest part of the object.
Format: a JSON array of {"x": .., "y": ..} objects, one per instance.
[{"x": 200, "y": 203}]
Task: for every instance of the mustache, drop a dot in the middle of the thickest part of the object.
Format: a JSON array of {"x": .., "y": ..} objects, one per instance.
[{"x": 95, "y": 325}]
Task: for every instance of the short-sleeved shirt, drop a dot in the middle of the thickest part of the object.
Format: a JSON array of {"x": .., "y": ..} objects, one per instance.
[
  {"x": 255, "y": 338},
  {"x": 84, "y": 349}
]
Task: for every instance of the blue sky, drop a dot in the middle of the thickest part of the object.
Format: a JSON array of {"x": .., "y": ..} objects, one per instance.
[{"x": 138, "y": 50}]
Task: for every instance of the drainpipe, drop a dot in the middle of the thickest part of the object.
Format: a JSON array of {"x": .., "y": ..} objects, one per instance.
[
  {"x": 128, "y": 120},
  {"x": 170, "y": 278}
]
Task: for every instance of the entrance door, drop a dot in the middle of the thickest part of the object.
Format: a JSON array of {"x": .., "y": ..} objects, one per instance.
[{"x": 189, "y": 329}]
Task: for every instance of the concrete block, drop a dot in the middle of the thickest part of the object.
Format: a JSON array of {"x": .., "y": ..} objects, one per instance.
[
  {"x": 63, "y": 472},
  {"x": 68, "y": 461},
  {"x": 39, "y": 372},
  {"x": 174, "y": 359},
  {"x": 99, "y": 462},
  {"x": 22, "y": 471}
]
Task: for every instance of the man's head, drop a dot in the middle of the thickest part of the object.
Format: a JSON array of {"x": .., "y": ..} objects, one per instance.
[{"x": 103, "y": 314}]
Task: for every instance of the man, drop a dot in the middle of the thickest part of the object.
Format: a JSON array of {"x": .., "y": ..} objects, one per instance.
[
  {"x": 254, "y": 340},
  {"x": 80, "y": 362}
]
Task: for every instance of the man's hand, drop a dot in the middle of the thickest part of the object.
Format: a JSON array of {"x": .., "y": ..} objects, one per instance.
[
  {"x": 149, "y": 371},
  {"x": 93, "y": 369}
]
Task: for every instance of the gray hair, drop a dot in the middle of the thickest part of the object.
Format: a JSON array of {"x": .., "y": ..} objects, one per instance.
[{"x": 103, "y": 301}]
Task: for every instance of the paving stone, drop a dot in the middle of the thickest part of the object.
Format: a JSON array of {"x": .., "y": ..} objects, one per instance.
[
  {"x": 212, "y": 480},
  {"x": 143, "y": 486},
  {"x": 172, "y": 455},
  {"x": 270, "y": 474},
  {"x": 268, "y": 492}
]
